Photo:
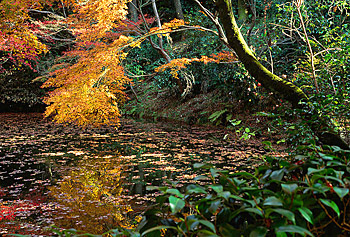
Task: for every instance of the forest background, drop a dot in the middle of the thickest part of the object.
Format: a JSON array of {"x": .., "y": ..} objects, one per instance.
[{"x": 282, "y": 62}]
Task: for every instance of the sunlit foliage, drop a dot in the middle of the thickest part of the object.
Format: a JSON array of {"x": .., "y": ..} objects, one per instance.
[
  {"x": 18, "y": 43},
  {"x": 180, "y": 63},
  {"x": 89, "y": 90}
]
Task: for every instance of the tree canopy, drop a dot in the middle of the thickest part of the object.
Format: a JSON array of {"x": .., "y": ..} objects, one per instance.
[{"x": 88, "y": 88}]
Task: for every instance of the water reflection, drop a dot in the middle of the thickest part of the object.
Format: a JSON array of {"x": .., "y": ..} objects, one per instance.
[{"x": 89, "y": 197}]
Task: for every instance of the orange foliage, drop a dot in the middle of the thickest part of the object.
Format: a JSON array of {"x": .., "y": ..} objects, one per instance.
[
  {"x": 17, "y": 39},
  {"x": 96, "y": 17},
  {"x": 90, "y": 91},
  {"x": 167, "y": 27},
  {"x": 180, "y": 63}
]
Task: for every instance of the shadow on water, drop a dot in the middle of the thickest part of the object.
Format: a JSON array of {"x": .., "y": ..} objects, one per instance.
[{"x": 92, "y": 179}]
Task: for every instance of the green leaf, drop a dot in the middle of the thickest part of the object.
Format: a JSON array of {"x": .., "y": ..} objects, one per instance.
[
  {"x": 176, "y": 204},
  {"x": 214, "y": 172},
  {"x": 290, "y": 215},
  {"x": 335, "y": 179},
  {"x": 267, "y": 144},
  {"x": 208, "y": 224},
  {"x": 312, "y": 170},
  {"x": 206, "y": 233},
  {"x": 237, "y": 197},
  {"x": 331, "y": 204},
  {"x": 281, "y": 234},
  {"x": 192, "y": 188},
  {"x": 202, "y": 166},
  {"x": 254, "y": 210},
  {"x": 161, "y": 227},
  {"x": 273, "y": 201},
  {"x": 325, "y": 157},
  {"x": 342, "y": 192},
  {"x": 293, "y": 229},
  {"x": 246, "y": 175},
  {"x": 260, "y": 231},
  {"x": 151, "y": 188},
  {"x": 277, "y": 175},
  {"x": 214, "y": 116},
  {"x": 228, "y": 230},
  {"x": 214, "y": 206},
  {"x": 289, "y": 188},
  {"x": 235, "y": 122},
  {"x": 201, "y": 177},
  {"x": 175, "y": 192},
  {"x": 217, "y": 188},
  {"x": 225, "y": 195},
  {"x": 306, "y": 213}
]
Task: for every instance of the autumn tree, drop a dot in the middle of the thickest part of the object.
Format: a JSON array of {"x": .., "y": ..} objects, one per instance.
[
  {"x": 89, "y": 91},
  {"x": 19, "y": 45}
]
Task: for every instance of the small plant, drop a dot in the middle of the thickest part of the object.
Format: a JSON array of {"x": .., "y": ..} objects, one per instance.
[
  {"x": 306, "y": 194},
  {"x": 217, "y": 116}
]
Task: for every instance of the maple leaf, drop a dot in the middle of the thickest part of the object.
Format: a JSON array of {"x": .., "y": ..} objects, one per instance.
[
  {"x": 177, "y": 64},
  {"x": 17, "y": 39}
]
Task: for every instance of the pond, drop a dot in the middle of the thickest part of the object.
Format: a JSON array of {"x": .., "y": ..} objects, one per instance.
[{"x": 94, "y": 179}]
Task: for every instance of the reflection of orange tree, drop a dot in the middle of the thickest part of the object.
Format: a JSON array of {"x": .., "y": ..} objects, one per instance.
[{"x": 89, "y": 198}]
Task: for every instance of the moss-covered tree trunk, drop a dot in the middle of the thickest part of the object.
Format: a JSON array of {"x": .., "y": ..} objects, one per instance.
[{"x": 272, "y": 82}]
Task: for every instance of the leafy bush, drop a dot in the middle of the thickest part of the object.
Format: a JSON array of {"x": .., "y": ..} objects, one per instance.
[{"x": 306, "y": 194}]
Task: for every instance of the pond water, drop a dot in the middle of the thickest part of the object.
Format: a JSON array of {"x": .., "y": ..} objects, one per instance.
[{"x": 95, "y": 179}]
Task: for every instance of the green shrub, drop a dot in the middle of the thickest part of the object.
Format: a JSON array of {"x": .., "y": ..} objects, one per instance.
[{"x": 306, "y": 194}]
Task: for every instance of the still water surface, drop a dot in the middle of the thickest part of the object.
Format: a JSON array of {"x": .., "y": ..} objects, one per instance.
[{"x": 95, "y": 179}]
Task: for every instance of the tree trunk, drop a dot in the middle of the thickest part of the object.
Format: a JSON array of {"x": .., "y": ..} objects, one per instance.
[
  {"x": 272, "y": 82},
  {"x": 134, "y": 16},
  {"x": 178, "y": 10},
  {"x": 242, "y": 10},
  {"x": 160, "y": 43}
]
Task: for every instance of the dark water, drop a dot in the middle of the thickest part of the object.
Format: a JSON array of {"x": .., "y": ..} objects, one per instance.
[{"x": 36, "y": 154}]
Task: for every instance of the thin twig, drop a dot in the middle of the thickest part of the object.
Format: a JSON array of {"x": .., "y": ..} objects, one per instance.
[{"x": 298, "y": 5}]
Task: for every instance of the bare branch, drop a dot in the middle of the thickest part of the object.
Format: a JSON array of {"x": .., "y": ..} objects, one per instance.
[{"x": 216, "y": 22}]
